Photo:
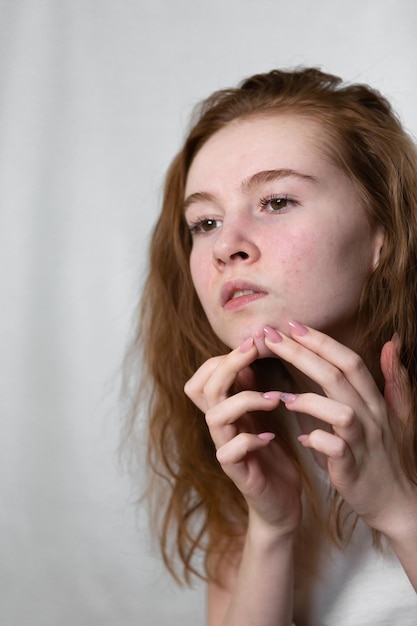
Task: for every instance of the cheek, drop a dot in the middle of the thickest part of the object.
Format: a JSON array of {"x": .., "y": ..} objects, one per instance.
[
  {"x": 320, "y": 249},
  {"x": 298, "y": 255},
  {"x": 314, "y": 269},
  {"x": 199, "y": 276},
  {"x": 195, "y": 273}
]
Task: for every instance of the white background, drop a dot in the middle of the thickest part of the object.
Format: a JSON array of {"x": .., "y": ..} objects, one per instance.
[{"x": 94, "y": 99}]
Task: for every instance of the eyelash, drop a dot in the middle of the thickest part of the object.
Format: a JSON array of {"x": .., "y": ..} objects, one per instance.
[
  {"x": 195, "y": 228},
  {"x": 268, "y": 199}
]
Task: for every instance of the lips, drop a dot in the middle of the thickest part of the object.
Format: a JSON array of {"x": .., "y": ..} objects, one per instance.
[{"x": 238, "y": 292}]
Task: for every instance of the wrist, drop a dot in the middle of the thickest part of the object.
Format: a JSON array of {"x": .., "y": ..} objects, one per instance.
[
  {"x": 264, "y": 533},
  {"x": 402, "y": 530}
]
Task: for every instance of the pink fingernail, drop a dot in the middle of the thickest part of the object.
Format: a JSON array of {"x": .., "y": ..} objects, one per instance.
[
  {"x": 272, "y": 334},
  {"x": 272, "y": 395},
  {"x": 288, "y": 397},
  {"x": 302, "y": 438},
  {"x": 297, "y": 328},
  {"x": 266, "y": 436},
  {"x": 246, "y": 345}
]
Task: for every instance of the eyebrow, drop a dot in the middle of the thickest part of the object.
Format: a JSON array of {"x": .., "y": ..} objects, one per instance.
[
  {"x": 267, "y": 176},
  {"x": 257, "y": 179}
]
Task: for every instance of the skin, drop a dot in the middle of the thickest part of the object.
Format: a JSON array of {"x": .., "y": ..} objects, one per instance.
[
  {"x": 298, "y": 266},
  {"x": 310, "y": 246}
]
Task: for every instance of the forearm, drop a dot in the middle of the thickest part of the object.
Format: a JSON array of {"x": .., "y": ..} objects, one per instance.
[
  {"x": 404, "y": 544},
  {"x": 408, "y": 558},
  {"x": 262, "y": 592}
]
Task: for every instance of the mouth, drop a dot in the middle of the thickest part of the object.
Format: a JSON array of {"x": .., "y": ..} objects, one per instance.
[{"x": 237, "y": 294}]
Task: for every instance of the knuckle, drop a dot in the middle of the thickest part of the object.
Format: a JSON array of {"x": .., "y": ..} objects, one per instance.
[
  {"x": 195, "y": 384},
  {"x": 223, "y": 456},
  {"x": 340, "y": 448},
  {"x": 336, "y": 377},
  {"x": 347, "y": 417},
  {"x": 234, "y": 451},
  {"x": 354, "y": 362},
  {"x": 314, "y": 438},
  {"x": 321, "y": 340},
  {"x": 189, "y": 388},
  {"x": 211, "y": 418}
]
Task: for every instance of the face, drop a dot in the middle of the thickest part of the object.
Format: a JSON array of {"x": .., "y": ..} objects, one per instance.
[{"x": 278, "y": 231}]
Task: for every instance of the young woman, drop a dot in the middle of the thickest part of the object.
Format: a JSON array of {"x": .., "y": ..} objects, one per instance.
[{"x": 282, "y": 294}]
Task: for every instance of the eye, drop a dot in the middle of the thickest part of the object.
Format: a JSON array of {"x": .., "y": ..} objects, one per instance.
[
  {"x": 204, "y": 225},
  {"x": 276, "y": 204}
]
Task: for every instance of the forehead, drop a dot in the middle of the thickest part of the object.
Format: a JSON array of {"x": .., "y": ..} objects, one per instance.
[{"x": 245, "y": 146}]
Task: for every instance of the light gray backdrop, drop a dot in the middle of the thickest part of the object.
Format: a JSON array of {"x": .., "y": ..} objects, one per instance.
[{"x": 95, "y": 95}]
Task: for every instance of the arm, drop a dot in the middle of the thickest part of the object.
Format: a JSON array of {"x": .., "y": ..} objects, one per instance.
[
  {"x": 256, "y": 588},
  {"x": 404, "y": 545}
]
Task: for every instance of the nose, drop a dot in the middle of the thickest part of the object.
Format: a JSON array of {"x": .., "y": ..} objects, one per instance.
[{"x": 234, "y": 244}]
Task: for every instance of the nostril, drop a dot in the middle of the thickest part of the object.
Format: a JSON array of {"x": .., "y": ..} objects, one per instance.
[{"x": 243, "y": 255}]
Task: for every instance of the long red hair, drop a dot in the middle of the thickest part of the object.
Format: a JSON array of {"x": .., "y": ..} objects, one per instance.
[{"x": 195, "y": 506}]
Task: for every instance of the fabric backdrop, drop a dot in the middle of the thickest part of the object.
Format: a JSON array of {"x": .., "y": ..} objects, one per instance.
[{"x": 95, "y": 97}]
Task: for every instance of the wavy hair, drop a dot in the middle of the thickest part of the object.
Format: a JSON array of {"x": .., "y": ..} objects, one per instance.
[{"x": 195, "y": 505}]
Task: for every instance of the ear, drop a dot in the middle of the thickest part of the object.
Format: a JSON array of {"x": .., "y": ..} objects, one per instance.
[{"x": 379, "y": 237}]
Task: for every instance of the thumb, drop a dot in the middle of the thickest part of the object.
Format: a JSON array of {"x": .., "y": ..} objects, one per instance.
[{"x": 397, "y": 391}]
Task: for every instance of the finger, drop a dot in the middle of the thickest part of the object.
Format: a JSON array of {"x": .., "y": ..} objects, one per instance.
[
  {"x": 338, "y": 370},
  {"x": 341, "y": 462},
  {"x": 340, "y": 356},
  {"x": 236, "y": 450},
  {"x": 221, "y": 419},
  {"x": 194, "y": 388},
  {"x": 397, "y": 391},
  {"x": 224, "y": 375},
  {"x": 341, "y": 417}
]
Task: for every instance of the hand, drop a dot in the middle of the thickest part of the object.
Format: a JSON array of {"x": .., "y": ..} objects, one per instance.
[
  {"x": 361, "y": 449},
  {"x": 252, "y": 459}
]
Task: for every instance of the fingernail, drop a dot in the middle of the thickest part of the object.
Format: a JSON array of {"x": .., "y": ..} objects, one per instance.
[
  {"x": 246, "y": 345},
  {"x": 272, "y": 334},
  {"x": 266, "y": 436},
  {"x": 272, "y": 395},
  {"x": 288, "y": 397},
  {"x": 297, "y": 328},
  {"x": 302, "y": 438}
]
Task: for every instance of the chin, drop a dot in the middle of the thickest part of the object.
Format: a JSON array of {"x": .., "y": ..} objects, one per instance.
[{"x": 258, "y": 336}]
